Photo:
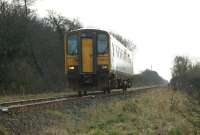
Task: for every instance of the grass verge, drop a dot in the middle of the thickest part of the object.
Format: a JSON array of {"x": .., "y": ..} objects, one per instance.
[{"x": 158, "y": 111}]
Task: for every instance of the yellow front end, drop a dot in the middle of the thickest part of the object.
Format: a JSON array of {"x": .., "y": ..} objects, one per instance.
[
  {"x": 87, "y": 58},
  {"x": 71, "y": 58},
  {"x": 103, "y": 61}
]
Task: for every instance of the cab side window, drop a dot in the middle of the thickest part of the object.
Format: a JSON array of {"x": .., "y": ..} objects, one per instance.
[{"x": 72, "y": 44}]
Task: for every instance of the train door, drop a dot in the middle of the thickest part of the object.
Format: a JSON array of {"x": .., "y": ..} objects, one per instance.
[{"x": 87, "y": 55}]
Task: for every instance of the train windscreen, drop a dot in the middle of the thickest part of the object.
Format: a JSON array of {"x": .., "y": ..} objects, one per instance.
[
  {"x": 72, "y": 45},
  {"x": 102, "y": 43}
]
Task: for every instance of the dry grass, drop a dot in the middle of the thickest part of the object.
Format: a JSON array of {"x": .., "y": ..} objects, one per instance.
[
  {"x": 3, "y": 131},
  {"x": 155, "y": 112},
  {"x": 161, "y": 112}
]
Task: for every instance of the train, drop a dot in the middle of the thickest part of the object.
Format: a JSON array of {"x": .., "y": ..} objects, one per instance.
[{"x": 95, "y": 59}]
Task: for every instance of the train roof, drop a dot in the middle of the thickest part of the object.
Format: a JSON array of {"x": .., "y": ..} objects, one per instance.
[
  {"x": 100, "y": 30},
  {"x": 92, "y": 29}
]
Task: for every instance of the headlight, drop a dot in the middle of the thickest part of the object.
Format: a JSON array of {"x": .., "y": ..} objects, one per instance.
[
  {"x": 104, "y": 67},
  {"x": 71, "y": 67}
]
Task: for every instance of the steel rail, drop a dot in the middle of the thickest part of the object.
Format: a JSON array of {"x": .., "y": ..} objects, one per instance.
[{"x": 25, "y": 105}]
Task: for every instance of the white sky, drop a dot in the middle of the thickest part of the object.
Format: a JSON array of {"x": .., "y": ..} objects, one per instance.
[{"x": 161, "y": 29}]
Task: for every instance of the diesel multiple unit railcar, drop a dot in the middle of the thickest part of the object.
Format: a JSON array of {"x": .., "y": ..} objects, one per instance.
[{"x": 94, "y": 58}]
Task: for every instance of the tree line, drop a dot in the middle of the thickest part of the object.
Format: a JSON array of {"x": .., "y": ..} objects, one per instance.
[
  {"x": 31, "y": 48},
  {"x": 185, "y": 74},
  {"x": 148, "y": 77}
]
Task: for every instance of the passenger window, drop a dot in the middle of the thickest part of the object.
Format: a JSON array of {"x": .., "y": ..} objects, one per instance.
[
  {"x": 102, "y": 43},
  {"x": 113, "y": 49},
  {"x": 117, "y": 50},
  {"x": 119, "y": 53},
  {"x": 72, "y": 45}
]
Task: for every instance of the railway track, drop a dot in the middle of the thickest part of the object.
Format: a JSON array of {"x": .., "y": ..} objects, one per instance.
[{"x": 41, "y": 103}]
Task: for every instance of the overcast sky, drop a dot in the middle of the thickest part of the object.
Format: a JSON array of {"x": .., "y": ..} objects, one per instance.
[{"x": 161, "y": 29}]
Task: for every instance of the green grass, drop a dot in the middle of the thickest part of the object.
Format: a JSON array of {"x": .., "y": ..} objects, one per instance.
[
  {"x": 3, "y": 130},
  {"x": 160, "y": 111}
]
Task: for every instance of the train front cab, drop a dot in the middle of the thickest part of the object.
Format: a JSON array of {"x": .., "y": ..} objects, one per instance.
[{"x": 87, "y": 60}]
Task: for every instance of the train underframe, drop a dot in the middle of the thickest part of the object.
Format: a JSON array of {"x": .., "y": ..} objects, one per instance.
[{"x": 102, "y": 81}]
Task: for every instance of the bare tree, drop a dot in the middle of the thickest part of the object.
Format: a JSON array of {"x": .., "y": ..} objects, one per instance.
[
  {"x": 181, "y": 66},
  {"x": 25, "y": 4},
  {"x": 185, "y": 74},
  {"x": 61, "y": 24}
]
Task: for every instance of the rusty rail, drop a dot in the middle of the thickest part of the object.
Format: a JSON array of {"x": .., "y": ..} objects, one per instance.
[{"x": 26, "y": 105}]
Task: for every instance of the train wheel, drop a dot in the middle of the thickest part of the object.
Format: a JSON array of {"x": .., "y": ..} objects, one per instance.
[
  {"x": 79, "y": 93},
  {"x": 121, "y": 83},
  {"x": 125, "y": 86},
  {"x": 124, "y": 90},
  {"x": 115, "y": 84},
  {"x": 108, "y": 90},
  {"x": 109, "y": 86},
  {"x": 129, "y": 84},
  {"x": 104, "y": 91},
  {"x": 85, "y": 92}
]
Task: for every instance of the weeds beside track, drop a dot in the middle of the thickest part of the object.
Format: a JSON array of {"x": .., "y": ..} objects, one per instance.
[{"x": 41, "y": 103}]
